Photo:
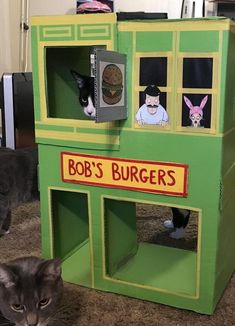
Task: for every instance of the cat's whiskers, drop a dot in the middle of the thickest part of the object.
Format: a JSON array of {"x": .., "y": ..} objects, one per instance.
[
  {"x": 6, "y": 323},
  {"x": 55, "y": 321},
  {"x": 52, "y": 321},
  {"x": 61, "y": 308},
  {"x": 53, "y": 317},
  {"x": 56, "y": 317}
]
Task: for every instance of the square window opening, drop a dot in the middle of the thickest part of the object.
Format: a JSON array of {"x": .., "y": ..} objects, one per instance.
[
  {"x": 62, "y": 87},
  {"x": 153, "y": 71},
  {"x": 197, "y": 72}
]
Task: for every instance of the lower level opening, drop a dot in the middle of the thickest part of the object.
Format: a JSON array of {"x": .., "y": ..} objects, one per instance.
[
  {"x": 71, "y": 242},
  {"x": 139, "y": 248}
]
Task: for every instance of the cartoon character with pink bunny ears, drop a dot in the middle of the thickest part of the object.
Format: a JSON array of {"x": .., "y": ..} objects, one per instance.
[{"x": 196, "y": 112}]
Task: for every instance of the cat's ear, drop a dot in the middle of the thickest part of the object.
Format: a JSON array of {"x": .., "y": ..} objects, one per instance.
[
  {"x": 78, "y": 78},
  {"x": 50, "y": 270},
  {"x": 7, "y": 278}
]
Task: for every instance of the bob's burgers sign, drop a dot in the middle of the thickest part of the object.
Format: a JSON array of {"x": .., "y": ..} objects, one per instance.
[{"x": 145, "y": 176}]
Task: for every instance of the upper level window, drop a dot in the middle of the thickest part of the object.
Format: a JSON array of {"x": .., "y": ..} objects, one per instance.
[
  {"x": 153, "y": 81},
  {"x": 196, "y": 92},
  {"x": 86, "y": 83},
  {"x": 176, "y": 91}
]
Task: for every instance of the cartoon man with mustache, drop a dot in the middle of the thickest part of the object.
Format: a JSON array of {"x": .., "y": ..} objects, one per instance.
[{"x": 152, "y": 112}]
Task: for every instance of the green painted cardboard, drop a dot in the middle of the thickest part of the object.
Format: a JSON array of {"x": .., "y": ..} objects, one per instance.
[{"x": 92, "y": 226}]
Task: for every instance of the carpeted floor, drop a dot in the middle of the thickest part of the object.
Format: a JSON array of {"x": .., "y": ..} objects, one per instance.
[{"x": 81, "y": 306}]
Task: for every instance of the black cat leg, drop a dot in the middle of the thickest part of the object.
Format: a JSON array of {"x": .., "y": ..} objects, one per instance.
[
  {"x": 180, "y": 217},
  {"x": 179, "y": 222}
]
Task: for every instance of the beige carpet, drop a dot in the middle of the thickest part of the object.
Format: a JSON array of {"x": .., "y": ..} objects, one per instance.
[{"x": 83, "y": 307}]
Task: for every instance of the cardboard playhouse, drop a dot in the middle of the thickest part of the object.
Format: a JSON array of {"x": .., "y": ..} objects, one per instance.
[{"x": 95, "y": 171}]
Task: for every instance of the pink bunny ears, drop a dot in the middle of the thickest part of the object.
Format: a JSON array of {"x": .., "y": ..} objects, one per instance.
[{"x": 196, "y": 109}]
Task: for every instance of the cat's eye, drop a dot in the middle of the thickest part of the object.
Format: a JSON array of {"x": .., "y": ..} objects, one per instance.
[
  {"x": 43, "y": 303},
  {"x": 84, "y": 101},
  {"x": 17, "y": 307}
]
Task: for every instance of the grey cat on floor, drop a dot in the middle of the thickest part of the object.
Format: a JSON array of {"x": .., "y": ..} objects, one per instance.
[
  {"x": 18, "y": 181},
  {"x": 30, "y": 290}
]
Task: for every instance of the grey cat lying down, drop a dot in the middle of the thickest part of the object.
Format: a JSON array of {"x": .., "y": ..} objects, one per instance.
[
  {"x": 18, "y": 181},
  {"x": 30, "y": 290}
]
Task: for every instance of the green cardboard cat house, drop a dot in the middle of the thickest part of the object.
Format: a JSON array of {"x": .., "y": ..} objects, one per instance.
[{"x": 93, "y": 172}]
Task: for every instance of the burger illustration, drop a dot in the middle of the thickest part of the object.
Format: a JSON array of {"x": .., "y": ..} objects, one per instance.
[{"x": 112, "y": 84}]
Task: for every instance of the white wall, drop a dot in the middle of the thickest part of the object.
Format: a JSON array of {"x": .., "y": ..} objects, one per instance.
[
  {"x": 10, "y": 17},
  {"x": 52, "y": 7},
  {"x": 9, "y": 35},
  {"x": 48, "y": 7},
  {"x": 172, "y": 7}
]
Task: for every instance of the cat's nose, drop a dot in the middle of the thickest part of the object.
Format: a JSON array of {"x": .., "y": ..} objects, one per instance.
[{"x": 32, "y": 319}]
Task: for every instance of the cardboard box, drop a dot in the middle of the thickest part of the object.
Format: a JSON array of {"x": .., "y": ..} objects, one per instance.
[{"x": 92, "y": 175}]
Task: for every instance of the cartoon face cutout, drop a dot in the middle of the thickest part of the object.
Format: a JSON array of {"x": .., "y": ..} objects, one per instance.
[
  {"x": 152, "y": 103},
  {"x": 196, "y": 112},
  {"x": 195, "y": 119},
  {"x": 152, "y": 112}
]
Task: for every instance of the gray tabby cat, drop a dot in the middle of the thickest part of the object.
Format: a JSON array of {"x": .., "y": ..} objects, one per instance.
[
  {"x": 18, "y": 181},
  {"x": 30, "y": 290}
]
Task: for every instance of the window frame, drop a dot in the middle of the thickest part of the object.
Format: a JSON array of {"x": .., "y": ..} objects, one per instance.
[
  {"x": 168, "y": 89},
  {"x": 213, "y": 92}
]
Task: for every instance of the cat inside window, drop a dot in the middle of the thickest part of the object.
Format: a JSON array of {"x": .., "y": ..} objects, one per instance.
[{"x": 85, "y": 86}]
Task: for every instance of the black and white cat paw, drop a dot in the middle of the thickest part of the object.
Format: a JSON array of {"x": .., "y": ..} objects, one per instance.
[
  {"x": 168, "y": 224},
  {"x": 179, "y": 233},
  {"x": 4, "y": 232}
]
